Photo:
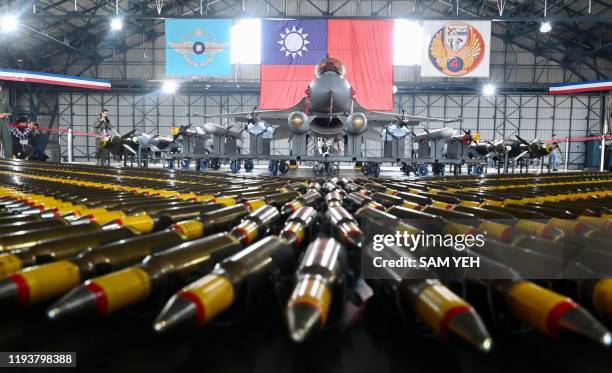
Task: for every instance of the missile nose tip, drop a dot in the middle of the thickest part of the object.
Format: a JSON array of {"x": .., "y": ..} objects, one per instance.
[
  {"x": 78, "y": 302},
  {"x": 486, "y": 345},
  {"x": 299, "y": 335},
  {"x": 302, "y": 321},
  {"x": 606, "y": 340},
  {"x": 160, "y": 326},
  {"x": 53, "y": 313},
  {"x": 469, "y": 327},
  {"x": 177, "y": 312}
]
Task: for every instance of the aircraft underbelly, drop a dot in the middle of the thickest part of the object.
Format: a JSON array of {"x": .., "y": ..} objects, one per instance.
[{"x": 325, "y": 126}]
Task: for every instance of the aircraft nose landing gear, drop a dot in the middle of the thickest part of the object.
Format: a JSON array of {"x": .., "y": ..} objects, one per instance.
[
  {"x": 371, "y": 169},
  {"x": 322, "y": 168}
]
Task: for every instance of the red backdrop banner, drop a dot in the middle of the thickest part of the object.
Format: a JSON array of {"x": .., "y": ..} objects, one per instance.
[
  {"x": 366, "y": 49},
  {"x": 292, "y": 48}
]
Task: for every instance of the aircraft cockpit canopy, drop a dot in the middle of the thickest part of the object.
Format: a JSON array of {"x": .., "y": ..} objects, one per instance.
[{"x": 330, "y": 64}]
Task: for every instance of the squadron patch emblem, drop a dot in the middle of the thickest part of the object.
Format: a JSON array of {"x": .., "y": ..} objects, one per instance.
[{"x": 456, "y": 49}]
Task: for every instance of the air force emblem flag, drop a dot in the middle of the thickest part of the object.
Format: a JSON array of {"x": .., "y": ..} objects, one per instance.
[
  {"x": 198, "y": 47},
  {"x": 456, "y": 48}
]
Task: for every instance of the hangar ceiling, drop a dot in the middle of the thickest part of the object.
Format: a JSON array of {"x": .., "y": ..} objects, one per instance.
[{"x": 59, "y": 33}]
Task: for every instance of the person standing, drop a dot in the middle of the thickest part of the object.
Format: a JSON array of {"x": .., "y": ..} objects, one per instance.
[
  {"x": 21, "y": 133},
  {"x": 38, "y": 144},
  {"x": 102, "y": 129},
  {"x": 554, "y": 155},
  {"x": 6, "y": 141}
]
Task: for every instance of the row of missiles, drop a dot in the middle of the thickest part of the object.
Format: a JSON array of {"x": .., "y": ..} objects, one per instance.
[{"x": 215, "y": 257}]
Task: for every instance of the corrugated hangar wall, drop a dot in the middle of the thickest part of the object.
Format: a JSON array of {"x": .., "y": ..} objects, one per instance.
[{"x": 528, "y": 115}]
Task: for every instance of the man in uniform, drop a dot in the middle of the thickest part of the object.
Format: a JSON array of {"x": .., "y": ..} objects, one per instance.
[
  {"x": 6, "y": 141},
  {"x": 102, "y": 129}
]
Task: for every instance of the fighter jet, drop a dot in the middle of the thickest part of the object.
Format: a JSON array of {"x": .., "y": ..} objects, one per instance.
[{"x": 328, "y": 109}]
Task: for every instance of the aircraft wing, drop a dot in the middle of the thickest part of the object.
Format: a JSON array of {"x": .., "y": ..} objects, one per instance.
[
  {"x": 275, "y": 118},
  {"x": 413, "y": 120},
  {"x": 384, "y": 117},
  {"x": 268, "y": 116}
]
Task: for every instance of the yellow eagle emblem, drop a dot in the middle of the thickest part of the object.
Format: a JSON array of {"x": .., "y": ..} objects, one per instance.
[{"x": 456, "y": 49}]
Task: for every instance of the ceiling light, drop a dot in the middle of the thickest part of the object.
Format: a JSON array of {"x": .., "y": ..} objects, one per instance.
[
  {"x": 116, "y": 24},
  {"x": 9, "y": 23},
  {"x": 170, "y": 87},
  {"x": 545, "y": 26},
  {"x": 488, "y": 90}
]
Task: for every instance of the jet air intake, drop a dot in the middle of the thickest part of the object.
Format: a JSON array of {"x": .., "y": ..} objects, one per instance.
[
  {"x": 298, "y": 122},
  {"x": 356, "y": 124}
]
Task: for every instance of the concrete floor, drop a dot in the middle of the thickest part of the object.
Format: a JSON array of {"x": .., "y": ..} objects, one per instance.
[{"x": 306, "y": 171}]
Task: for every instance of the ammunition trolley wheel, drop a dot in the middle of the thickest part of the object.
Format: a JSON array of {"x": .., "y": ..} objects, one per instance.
[
  {"x": 283, "y": 167},
  {"x": 422, "y": 170},
  {"x": 273, "y": 167},
  {"x": 234, "y": 166},
  {"x": 248, "y": 165}
]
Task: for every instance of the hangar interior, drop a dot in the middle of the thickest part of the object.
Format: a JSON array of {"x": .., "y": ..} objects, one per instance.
[
  {"x": 524, "y": 62},
  {"x": 128, "y": 250}
]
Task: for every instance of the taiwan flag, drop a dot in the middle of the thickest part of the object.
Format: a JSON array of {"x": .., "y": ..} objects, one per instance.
[{"x": 291, "y": 49}]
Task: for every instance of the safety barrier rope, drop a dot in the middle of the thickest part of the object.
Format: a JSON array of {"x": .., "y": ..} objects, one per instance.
[
  {"x": 572, "y": 139},
  {"x": 61, "y": 130}
]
